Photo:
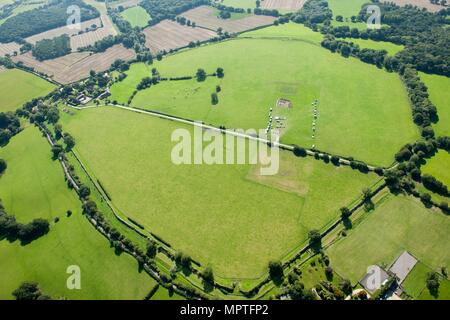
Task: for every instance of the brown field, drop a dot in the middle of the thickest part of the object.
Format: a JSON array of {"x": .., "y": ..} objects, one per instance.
[
  {"x": 204, "y": 16},
  {"x": 8, "y": 48},
  {"x": 419, "y": 3},
  {"x": 168, "y": 35},
  {"x": 288, "y": 5},
  {"x": 63, "y": 30},
  {"x": 76, "y": 66},
  {"x": 89, "y": 38}
]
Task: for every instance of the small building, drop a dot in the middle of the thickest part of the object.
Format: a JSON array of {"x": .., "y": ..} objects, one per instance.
[
  {"x": 403, "y": 266},
  {"x": 375, "y": 279},
  {"x": 284, "y": 103}
]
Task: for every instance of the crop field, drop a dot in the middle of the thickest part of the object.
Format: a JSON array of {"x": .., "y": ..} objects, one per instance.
[
  {"x": 284, "y": 5},
  {"x": 169, "y": 35},
  {"x": 228, "y": 216},
  {"x": 9, "y": 48},
  {"x": 399, "y": 223},
  {"x": 18, "y": 87},
  {"x": 356, "y": 117},
  {"x": 64, "y": 30},
  {"x": 33, "y": 187},
  {"x": 205, "y": 16},
  {"x": 136, "y": 16},
  {"x": 76, "y": 66},
  {"x": 439, "y": 167},
  {"x": 419, "y": 3},
  {"x": 440, "y": 97}
]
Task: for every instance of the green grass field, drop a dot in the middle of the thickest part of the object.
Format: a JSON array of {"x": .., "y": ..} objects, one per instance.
[
  {"x": 19, "y": 87},
  {"x": 33, "y": 187},
  {"x": 415, "y": 284},
  {"x": 346, "y": 8},
  {"x": 399, "y": 223},
  {"x": 292, "y": 31},
  {"x": 223, "y": 215},
  {"x": 390, "y": 47},
  {"x": 136, "y": 16},
  {"x": 439, "y": 167},
  {"x": 369, "y": 120},
  {"x": 440, "y": 96}
]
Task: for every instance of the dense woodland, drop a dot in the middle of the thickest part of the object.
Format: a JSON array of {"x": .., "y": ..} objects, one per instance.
[
  {"x": 425, "y": 35},
  {"x": 42, "y": 19},
  {"x": 52, "y": 48}
]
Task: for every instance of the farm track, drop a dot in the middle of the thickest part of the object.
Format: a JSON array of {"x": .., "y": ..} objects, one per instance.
[
  {"x": 168, "y": 35},
  {"x": 204, "y": 16}
]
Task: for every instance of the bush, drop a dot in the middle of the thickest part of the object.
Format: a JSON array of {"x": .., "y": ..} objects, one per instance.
[
  {"x": 275, "y": 270},
  {"x": 3, "y": 166}
]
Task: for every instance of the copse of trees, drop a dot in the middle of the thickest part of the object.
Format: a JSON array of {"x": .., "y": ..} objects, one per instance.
[
  {"x": 29, "y": 291},
  {"x": 432, "y": 184},
  {"x": 9, "y": 126},
  {"x": 3, "y": 166},
  {"x": 11, "y": 229},
  {"x": 313, "y": 12},
  {"x": 47, "y": 17},
  {"x": 52, "y": 48}
]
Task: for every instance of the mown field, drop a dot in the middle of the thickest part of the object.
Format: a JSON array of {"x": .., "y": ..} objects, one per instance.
[
  {"x": 18, "y": 87},
  {"x": 292, "y": 31},
  {"x": 33, "y": 187},
  {"x": 439, "y": 167},
  {"x": 136, "y": 16},
  {"x": 245, "y": 4},
  {"x": 369, "y": 120},
  {"x": 224, "y": 215},
  {"x": 390, "y": 47},
  {"x": 347, "y": 9},
  {"x": 399, "y": 223},
  {"x": 440, "y": 96}
]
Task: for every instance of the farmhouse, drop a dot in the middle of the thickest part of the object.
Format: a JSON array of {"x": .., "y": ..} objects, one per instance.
[{"x": 375, "y": 279}]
